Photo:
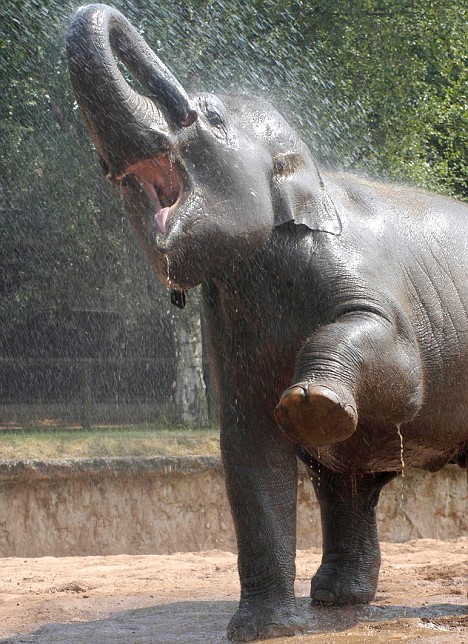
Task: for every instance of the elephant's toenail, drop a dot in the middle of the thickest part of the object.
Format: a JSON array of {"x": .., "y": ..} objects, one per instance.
[{"x": 323, "y": 596}]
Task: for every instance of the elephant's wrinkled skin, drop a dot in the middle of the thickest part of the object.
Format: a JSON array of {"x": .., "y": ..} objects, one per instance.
[{"x": 336, "y": 310}]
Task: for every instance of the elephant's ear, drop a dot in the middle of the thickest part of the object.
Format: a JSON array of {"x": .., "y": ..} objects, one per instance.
[{"x": 300, "y": 195}]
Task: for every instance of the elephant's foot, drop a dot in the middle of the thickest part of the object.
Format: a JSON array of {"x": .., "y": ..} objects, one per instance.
[
  {"x": 340, "y": 581},
  {"x": 256, "y": 620},
  {"x": 314, "y": 414}
]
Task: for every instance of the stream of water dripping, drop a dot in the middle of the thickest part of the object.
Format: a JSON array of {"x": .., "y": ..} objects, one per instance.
[
  {"x": 402, "y": 460},
  {"x": 168, "y": 271},
  {"x": 318, "y": 467}
]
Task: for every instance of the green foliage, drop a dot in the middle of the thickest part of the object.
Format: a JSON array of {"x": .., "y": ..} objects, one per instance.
[
  {"x": 405, "y": 65},
  {"x": 63, "y": 232},
  {"x": 379, "y": 86}
]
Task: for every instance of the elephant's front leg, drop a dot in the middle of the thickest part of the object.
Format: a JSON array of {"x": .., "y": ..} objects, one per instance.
[
  {"x": 261, "y": 475},
  {"x": 363, "y": 364}
]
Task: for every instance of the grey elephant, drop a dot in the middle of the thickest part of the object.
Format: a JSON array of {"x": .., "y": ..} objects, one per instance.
[{"x": 336, "y": 309}]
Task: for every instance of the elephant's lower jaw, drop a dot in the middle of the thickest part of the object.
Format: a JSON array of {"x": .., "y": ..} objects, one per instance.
[
  {"x": 184, "y": 276},
  {"x": 314, "y": 414},
  {"x": 175, "y": 269}
]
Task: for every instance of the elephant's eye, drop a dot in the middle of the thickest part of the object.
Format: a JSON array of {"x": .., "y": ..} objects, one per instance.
[
  {"x": 214, "y": 112},
  {"x": 213, "y": 117}
]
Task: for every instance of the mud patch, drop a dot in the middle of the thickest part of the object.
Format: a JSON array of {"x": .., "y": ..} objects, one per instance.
[
  {"x": 70, "y": 587},
  {"x": 447, "y": 623}
]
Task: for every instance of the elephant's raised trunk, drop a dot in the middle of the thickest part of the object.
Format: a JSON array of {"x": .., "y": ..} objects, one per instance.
[{"x": 124, "y": 125}]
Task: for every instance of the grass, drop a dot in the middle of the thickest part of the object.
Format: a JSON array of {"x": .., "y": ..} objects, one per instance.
[{"x": 128, "y": 440}]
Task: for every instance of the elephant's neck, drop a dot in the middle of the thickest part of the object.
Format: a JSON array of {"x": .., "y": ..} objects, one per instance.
[{"x": 271, "y": 279}]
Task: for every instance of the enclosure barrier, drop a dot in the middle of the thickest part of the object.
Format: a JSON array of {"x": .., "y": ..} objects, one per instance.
[{"x": 107, "y": 506}]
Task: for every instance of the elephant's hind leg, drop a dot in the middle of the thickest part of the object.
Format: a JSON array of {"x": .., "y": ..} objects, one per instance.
[{"x": 351, "y": 553}]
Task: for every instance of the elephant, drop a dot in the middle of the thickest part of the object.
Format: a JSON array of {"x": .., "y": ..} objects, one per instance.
[{"x": 335, "y": 308}]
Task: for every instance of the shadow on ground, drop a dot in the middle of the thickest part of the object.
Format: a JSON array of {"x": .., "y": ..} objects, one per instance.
[{"x": 203, "y": 621}]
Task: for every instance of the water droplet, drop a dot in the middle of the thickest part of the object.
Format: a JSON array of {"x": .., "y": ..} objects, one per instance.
[{"x": 318, "y": 468}]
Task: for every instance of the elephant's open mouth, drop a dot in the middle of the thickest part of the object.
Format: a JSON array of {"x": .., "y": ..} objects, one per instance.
[{"x": 162, "y": 180}]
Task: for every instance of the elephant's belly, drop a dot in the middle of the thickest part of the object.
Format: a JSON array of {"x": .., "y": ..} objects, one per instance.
[{"x": 388, "y": 447}]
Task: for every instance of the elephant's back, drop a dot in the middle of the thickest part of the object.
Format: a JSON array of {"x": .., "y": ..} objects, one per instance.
[{"x": 412, "y": 243}]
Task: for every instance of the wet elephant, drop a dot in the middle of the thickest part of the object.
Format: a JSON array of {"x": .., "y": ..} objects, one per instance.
[{"x": 336, "y": 310}]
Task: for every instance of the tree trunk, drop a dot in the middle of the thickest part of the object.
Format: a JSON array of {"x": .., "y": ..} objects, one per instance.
[{"x": 190, "y": 402}]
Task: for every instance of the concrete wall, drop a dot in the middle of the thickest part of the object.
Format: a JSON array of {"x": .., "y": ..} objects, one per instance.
[{"x": 164, "y": 505}]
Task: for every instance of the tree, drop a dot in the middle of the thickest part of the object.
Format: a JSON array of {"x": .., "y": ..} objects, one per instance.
[
  {"x": 191, "y": 407},
  {"x": 377, "y": 86},
  {"x": 64, "y": 235}
]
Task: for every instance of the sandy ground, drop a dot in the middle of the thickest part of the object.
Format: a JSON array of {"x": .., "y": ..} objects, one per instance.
[{"x": 189, "y": 597}]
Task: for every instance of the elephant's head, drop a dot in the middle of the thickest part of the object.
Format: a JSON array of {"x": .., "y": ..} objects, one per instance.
[{"x": 206, "y": 179}]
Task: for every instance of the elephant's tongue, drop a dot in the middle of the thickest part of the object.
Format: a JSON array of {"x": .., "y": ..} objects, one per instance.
[{"x": 161, "y": 218}]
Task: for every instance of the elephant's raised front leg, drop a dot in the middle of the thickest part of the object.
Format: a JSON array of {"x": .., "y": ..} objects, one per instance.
[
  {"x": 362, "y": 364},
  {"x": 351, "y": 554},
  {"x": 261, "y": 475}
]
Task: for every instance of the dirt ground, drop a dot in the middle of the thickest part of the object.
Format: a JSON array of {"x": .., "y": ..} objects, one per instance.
[{"x": 189, "y": 597}]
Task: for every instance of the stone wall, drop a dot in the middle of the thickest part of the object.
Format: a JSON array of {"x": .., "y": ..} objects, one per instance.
[{"x": 164, "y": 505}]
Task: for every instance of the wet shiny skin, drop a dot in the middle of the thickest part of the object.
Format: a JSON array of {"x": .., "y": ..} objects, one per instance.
[{"x": 351, "y": 290}]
